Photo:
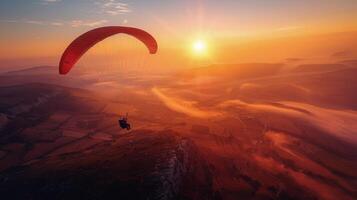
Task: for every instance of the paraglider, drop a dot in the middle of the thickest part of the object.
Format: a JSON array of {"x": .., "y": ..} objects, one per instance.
[
  {"x": 87, "y": 40},
  {"x": 123, "y": 122}
]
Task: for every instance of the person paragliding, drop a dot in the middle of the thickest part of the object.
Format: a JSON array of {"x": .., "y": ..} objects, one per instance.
[
  {"x": 123, "y": 122},
  {"x": 87, "y": 40}
]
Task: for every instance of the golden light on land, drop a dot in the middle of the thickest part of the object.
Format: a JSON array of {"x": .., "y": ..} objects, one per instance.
[{"x": 199, "y": 47}]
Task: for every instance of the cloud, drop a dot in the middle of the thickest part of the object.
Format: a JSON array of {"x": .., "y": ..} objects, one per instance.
[
  {"x": 25, "y": 21},
  {"x": 289, "y": 28},
  {"x": 114, "y": 7},
  {"x": 9, "y": 21},
  {"x": 339, "y": 123},
  {"x": 47, "y": 2},
  {"x": 78, "y": 23},
  {"x": 72, "y": 23},
  {"x": 34, "y": 22},
  {"x": 56, "y": 23},
  {"x": 183, "y": 106}
]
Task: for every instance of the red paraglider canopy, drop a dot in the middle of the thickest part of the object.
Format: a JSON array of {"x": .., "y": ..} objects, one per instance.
[{"x": 85, "y": 41}]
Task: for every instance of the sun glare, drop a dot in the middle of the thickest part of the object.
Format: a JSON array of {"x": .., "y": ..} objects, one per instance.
[{"x": 199, "y": 47}]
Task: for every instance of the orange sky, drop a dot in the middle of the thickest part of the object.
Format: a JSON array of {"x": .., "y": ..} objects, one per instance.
[{"x": 234, "y": 31}]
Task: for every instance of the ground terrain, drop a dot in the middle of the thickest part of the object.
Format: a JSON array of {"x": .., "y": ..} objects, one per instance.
[{"x": 245, "y": 131}]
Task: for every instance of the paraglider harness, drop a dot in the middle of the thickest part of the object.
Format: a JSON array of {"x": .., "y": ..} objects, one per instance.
[{"x": 123, "y": 122}]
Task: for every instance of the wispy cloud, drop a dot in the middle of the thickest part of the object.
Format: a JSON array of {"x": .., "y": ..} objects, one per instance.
[
  {"x": 183, "y": 106},
  {"x": 288, "y": 28},
  {"x": 114, "y": 7},
  {"x": 72, "y": 23},
  {"x": 47, "y": 2},
  {"x": 78, "y": 23},
  {"x": 34, "y": 22},
  {"x": 8, "y": 21},
  {"x": 24, "y": 21},
  {"x": 56, "y": 24}
]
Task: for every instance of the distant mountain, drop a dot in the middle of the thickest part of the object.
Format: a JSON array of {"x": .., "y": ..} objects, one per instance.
[
  {"x": 42, "y": 74},
  {"x": 318, "y": 67},
  {"x": 33, "y": 71},
  {"x": 349, "y": 62}
]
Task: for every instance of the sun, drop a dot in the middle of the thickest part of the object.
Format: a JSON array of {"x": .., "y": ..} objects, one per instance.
[{"x": 199, "y": 47}]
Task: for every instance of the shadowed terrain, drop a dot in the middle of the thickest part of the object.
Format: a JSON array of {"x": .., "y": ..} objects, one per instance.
[{"x": 246, "y": 131}]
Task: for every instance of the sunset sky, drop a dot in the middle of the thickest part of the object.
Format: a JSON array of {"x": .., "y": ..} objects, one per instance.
[{"x": 43, "y": 28}]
